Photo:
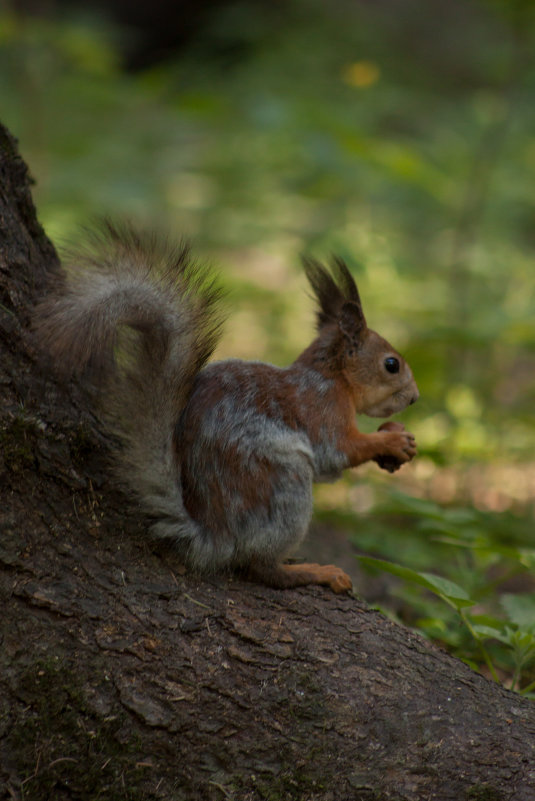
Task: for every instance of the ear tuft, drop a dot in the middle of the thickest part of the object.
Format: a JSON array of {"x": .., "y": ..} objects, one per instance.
[
  {"x": 333, "y": 289},
  {"x": 351, "y": 321},
  {"x": 345, "y": 280}
]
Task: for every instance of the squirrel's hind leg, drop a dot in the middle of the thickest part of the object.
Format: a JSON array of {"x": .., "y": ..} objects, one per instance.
[{"x": 283, "y": 576}]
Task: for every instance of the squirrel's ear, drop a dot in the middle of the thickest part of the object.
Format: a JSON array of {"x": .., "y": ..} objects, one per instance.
[{"x": 351, "y": 321}]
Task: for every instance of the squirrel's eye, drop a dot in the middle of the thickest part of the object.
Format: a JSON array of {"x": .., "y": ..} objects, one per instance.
[{"x": 392, "y": 364}]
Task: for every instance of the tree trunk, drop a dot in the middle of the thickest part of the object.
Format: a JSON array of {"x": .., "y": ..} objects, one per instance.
[{"x": 123, "y": 678}]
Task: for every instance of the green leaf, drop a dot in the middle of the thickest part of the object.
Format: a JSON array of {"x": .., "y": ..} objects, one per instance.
[
  {"x": 443, "y": 587},
  {"x": 520, "y": 609},
  {"x": 490, "y": 633}
]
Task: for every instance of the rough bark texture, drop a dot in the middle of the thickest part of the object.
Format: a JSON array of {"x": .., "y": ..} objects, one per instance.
[{"x": 122, "y": 678}]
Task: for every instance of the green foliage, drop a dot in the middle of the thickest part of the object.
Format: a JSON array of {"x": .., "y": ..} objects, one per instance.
[
  {"x": 450, "y": 592},
  {"x": 480, "y": 555}
]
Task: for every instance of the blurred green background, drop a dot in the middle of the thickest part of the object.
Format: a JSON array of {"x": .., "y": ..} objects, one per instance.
[{"x": 399, "y": 134}]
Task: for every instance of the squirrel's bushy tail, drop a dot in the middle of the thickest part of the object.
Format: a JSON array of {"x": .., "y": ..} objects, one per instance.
[{"x": 136, "y": 310}]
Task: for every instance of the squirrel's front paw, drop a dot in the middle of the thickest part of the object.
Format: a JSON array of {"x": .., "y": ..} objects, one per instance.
[{"x": 399, "y": 447}]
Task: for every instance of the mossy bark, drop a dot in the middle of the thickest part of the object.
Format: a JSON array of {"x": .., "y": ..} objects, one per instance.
[{"x": 123, "y": 678}]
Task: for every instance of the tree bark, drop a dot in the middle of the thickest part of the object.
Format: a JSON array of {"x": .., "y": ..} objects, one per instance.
[{"x": 124, "y": 678}]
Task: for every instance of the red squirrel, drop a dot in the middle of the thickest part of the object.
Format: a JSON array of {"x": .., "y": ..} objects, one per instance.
[{"x": 222, "y": 456}]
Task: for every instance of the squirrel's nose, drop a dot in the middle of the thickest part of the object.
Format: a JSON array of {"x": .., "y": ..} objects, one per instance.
[{"x": 414, "y": 398}]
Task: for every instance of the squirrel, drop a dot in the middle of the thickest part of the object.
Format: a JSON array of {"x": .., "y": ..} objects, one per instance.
[{"x": 223, "y": 455}]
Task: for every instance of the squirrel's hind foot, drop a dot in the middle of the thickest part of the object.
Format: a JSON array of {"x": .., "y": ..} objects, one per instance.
[{"x": 299, "y": 575}]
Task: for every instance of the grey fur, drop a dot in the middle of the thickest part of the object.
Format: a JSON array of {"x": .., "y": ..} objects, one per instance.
[{"x": 122, "y": 278}]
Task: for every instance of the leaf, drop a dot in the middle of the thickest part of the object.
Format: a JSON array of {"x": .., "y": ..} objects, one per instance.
[
  {"x": 490, "y": 633},
  {"x": 443, "y": 587},
  {"x": 520, "y": 609}
]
